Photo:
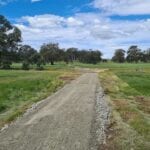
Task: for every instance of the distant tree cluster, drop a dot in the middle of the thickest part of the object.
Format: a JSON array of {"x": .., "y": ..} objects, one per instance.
[
  {"x": 11, "y": 50},
  {"x": 134, "y": 54}
]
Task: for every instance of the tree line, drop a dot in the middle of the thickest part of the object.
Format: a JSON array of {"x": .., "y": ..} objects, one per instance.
[
  {"x": 11, "y": 50},
  {"x": 133, "y": 54}
]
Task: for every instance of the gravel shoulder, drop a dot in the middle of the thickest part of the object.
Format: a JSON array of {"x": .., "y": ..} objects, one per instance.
[{"x": 67, "y": 120}]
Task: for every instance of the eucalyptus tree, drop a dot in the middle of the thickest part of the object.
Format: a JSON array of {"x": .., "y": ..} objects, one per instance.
[
  {"x": 119, "y": 56},
  {"x": 133, "y": 54},
  {"x": 10, "y": 36},
  {"x": 50, "y": 52}
]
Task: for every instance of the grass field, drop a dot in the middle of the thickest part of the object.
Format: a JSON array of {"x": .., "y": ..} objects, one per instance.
[
  {"x": 129, "y": 90},
  {"x": 128, "y": 86},
  {"x": 20, "y": 89}
]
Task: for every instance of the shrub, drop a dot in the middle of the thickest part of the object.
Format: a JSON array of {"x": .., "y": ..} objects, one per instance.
[{"x": 25, "y": 66}]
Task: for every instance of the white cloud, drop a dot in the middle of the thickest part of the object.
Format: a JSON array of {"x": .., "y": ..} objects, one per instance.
[
  {"x": 123, "y": 7},
  {"x": 40, "y": 21},
  {"x": 84, "y": 30}
]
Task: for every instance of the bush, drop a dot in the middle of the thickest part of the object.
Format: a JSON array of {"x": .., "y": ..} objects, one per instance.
[
  {"x": 25, "y": 66},
  {"x": 5, "y": 64}
]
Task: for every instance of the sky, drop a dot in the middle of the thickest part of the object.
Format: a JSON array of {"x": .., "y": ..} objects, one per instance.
[{"x": 103, "y": 25}]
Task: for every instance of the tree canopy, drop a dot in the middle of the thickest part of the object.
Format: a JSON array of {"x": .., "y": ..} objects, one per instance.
[
  {"x": 133, "y": 54},
  {"x": 10, "y": 36},
  {"x": 119, "y": 56}
]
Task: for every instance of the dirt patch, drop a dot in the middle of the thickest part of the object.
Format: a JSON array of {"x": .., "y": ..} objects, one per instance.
[
  {"x": 143, "y": 103},
  {"x": 129, "y": 116},
  {"x": 66, "y": 78},
  {"x": 69, "y": 77},
  {"x": 120, "y": 104},
  {"x": 112, "y": 133},
  {"x": 126, "y": 113}
]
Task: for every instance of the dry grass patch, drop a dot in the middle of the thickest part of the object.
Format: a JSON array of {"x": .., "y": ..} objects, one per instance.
[
  {"x": 143, "y": 103},
  {"x": 67, "y": 77},
  {"x": 112, "y": 133},
  {"x": 127, "y": 113}
]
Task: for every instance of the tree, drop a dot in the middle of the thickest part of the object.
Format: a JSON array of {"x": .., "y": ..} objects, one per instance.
[
  {"x": 94, "y": 57},
  {"x": 37, "y": 59},
  {"x": 50, "y": 52},
  {"x": 10, "y": 36},
  {"x": 133, "y": 54},
  {"x": 71, "y": 54},
  {"x": 27, "y": 56},
  {"x": 90, "y": 56},
  {"x": 119, "y": 56},
  {"x": 26, "y": 53},
  {"x": 146, "y": 55}
]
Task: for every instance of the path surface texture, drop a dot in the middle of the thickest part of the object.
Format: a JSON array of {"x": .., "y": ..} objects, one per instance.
[{"x": 67, "y": 120}]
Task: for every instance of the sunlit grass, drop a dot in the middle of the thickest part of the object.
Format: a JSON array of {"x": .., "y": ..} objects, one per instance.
[{"x": 20, "y": 89}]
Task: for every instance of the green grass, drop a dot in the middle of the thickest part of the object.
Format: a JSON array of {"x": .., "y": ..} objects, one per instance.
[
  {"x": 128, "y": 86},
  {"x": 20, "y": 89},
  {"x": 114, "y": 66},
  {"x": 56, "y": 66},
  {"x": 129, "y": 90},
  {"x": 108, "y": 65},
  {"x": 137, "y": 80}
]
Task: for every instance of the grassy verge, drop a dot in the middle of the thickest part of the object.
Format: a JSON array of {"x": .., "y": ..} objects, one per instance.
[
  {"x": 129, "y": 91},
  {"x": 20, "y": 89}
]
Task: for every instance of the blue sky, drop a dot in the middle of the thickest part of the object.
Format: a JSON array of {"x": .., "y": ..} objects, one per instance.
[
  {"x": 19, "y": 8},
  {"x": 97, "y": 24}
]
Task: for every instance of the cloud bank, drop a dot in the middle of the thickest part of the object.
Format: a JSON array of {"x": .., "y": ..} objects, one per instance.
[
  {"x": 94, "y": 30},
  {"x": 123, "y": 7}
]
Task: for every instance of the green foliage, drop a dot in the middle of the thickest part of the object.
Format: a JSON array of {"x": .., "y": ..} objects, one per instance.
[
  {"x": 10, "y": 36},
  {"x": 25, "y": 66},
  {"x": 91, "y": 57},
  {"x": 26, "y": 53},
  {"x": 146, "y": 56},
  {"x": 119, "y": 56},
  {"x": 5, "y": 64},
  {"x": 71, "y": 55},
  {"x": 50, "y": 52},
  {"x": 133, "y": 54}
]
